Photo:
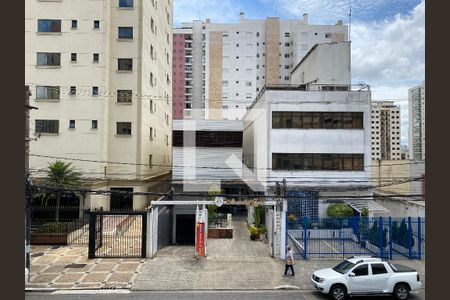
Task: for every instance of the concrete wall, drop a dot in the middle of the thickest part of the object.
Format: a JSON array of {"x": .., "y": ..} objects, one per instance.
[
  {"x": 402, "y": 208},
  {"x": 324, "y": 64}
]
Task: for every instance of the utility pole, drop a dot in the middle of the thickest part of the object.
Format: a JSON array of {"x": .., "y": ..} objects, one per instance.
[{"x": 28, "y": 183}]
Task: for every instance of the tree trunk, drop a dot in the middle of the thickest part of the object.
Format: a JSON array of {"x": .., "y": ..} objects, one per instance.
[{"x": 58, "y": 203}]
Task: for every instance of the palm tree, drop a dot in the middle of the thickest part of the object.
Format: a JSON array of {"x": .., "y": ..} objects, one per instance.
[{"x": 61, "y": 175}]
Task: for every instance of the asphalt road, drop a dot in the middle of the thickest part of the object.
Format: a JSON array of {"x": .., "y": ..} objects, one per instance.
[{"x": 193, "y": 295}]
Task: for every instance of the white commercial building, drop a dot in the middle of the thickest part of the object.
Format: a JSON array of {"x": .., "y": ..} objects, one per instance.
[
  {"x": 236, "y": 60},
  {"x": 416, "y": 100},
  {"x": 100, "y": 74},
  {"x": 386, "y": 131}
]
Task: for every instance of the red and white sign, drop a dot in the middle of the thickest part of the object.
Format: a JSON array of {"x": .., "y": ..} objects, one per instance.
[{"x": 200, "y": 239}]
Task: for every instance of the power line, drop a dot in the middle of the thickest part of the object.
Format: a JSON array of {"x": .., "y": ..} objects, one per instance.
[{"x": 186, "y": 166}]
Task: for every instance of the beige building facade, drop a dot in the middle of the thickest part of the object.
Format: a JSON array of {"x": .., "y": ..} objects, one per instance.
[
  {"x": 100, "y": 74},
  {"x": 386, "y": 132}
]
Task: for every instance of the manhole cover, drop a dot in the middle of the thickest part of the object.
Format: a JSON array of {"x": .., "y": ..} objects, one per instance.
[
  {"x": 37, "y": 254},
  {"x": 75, "y": 266}
]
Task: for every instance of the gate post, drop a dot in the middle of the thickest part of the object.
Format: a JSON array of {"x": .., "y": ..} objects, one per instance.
[
  {"x": 419, "y": 239},
  {"x": 91, "y": 249},
  {"x": 342, "y": 237},
  {"x": 305, "y": 237},
  {"x": 144, "y": 235},
  {"x": 390, "y": 238},
  {"x": 380, "y": 243},
  {"x": 409, "y": 238}
]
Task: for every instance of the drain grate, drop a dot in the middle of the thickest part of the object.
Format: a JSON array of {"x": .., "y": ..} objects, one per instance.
[{"x": 75, "y": 266}]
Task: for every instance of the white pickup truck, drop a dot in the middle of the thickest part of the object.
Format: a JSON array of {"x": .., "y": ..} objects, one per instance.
[{"x": 366, "y": 276}]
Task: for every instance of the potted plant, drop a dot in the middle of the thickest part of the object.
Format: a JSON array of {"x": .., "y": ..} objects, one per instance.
[{"x": 254, "y": 232}]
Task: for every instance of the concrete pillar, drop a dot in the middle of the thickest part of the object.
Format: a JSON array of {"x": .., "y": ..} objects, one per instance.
[{"x": 283, "y": 230}]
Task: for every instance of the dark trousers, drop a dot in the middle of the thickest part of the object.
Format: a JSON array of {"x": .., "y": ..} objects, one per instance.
[{"x": 289, "y": 267}]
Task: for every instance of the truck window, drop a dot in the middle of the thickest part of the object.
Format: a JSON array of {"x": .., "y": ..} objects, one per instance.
[
  {"x": 361, "y": 270},
  {"x": 378, "y": 269}
]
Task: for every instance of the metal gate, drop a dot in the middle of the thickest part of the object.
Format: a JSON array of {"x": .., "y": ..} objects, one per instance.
[{"x": 114, "y": 234}]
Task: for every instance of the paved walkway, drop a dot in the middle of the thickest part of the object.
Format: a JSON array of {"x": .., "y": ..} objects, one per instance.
[{"x": 67, "y": 267}]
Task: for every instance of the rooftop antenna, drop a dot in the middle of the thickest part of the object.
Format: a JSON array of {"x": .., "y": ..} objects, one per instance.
[{"x": 350, "y": 22}]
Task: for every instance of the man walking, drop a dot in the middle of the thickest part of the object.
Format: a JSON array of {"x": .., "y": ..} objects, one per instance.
[{"x": 289, "y": 262}]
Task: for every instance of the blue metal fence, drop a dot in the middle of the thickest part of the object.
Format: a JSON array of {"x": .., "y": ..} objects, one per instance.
[{"x": 389, "y": 238}]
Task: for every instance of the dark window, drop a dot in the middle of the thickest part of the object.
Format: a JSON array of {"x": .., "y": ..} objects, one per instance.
[
  {"x": 96, "y": 24},
  {"x": 73, "y": 90},
  {"x": 49, "y": 25},
  {"x": 211, "y": 138},
  {"x": 123, "y": 127},
  {"x": 327, "y": 35},
  {"x": 124, "y": 96},
  {"x": 72, "y": 124},
  {"x": 95, "y": 57},
  {"x": 125, "y": 64},
  {"x": 95, "y": 91},
  {"x": 47, "y": 92},
  {"x": 73, "y": 57},
  {"x": 378, "y": 269},
  {"x": 121, "y": 198},
  {"x": 125, "y": 3},
  {"x": 361, "y": 270},
  {"x": 46, "y": 126},
  {"x": 327, "y": 120},
  {"x": 125, "y": 32},
  {"x": 48, "y": 59},
  {"x": 94, "y": 124},
  {"x": 317, "y": 161},
  {"x": 74, "y": 24}
]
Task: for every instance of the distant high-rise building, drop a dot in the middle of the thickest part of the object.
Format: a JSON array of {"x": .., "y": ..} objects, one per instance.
[
  {"x": 416, "y": 103},
  {"x": 219, "y": 69},
  {"x": 386, "y": 130}
]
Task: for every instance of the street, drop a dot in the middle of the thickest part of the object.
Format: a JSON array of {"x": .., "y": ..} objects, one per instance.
[{"x": 197, "y": 295}]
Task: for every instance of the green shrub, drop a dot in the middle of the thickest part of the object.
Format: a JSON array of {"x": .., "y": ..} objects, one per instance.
[
  {"x": 53, "y": 228},
  {"x": 259, "y": 216},
  {"x": 339, "y": 210},
  {"x": 364, "y": 212}
]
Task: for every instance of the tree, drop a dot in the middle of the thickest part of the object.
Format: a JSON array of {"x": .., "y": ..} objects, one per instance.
[
  {"x": 339, "y": 210},
  {"x": 61, "y": 175}
]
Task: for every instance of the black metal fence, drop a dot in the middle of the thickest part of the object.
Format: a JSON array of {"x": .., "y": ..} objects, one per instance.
[
  {"x": 117, "y": 234},
  {"x": 71, "y": 227}
]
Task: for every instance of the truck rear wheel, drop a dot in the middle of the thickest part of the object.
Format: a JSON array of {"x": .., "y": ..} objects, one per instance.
[{"x": 401, "y": 291}]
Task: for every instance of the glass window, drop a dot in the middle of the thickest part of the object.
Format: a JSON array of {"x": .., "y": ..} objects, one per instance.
[
  {"x": 327, "y": 120},
  {"x": 125, "y": 3},
  {"x": 307, "y": 161},
  {"x": 328, "y": 162},
  {"x": 347, "y": 119},
  {"x": 378, "y": 269},
  {"x": 357, "y": 118},
  {"x": 347, "y": 162},
  {"x": 337, "y": 120},
  {"x": 358, "y": 162},
  {"x": 361, "y": 270},
  {"x": 124, "y": 128},
  {"x": 307, "y": 120},
  {"x": 316, "y": 120},
  {"x": 125, "y": 64},
  {"x": 276, "y": 119},
  {"x": 124, "y": 96},
  {"x": 96, "y": 24},
  {"x": 47, "y": 92},
  {"x": 125, "y": 32},
  {"x": 72, "y": 124},
  {"x": 95, "y": 91},
  {"x": 49, "y": 25},
  {"x": 297, "y": 120},
  {"x": 48, "y": 59},
  {"x": 46, "y": 126},
  {"x": 96, "y": 57},
  {"x": 94, "y": 124},
  {"x": 317, "y": 162},
  {"x": 73, "y": 57},
  {"x": 74, "y": 24},
  {"x": 287, "y": 116},
  {"x": 73, "y": 90}
]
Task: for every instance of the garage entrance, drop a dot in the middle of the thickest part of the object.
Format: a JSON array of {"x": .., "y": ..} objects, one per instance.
[{"x": 185, "y": 229}]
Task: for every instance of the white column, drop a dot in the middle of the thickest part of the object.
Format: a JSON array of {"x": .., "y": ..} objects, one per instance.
[
  {"x": 149, "y": 234},
  {"x": 283, "y": 230}
]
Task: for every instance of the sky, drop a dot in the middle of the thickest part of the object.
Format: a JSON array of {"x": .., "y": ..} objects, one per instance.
[{"x": 388, "y": 36}]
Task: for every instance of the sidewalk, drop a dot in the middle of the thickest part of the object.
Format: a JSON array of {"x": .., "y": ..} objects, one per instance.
[{"x": 67, "y": 267}]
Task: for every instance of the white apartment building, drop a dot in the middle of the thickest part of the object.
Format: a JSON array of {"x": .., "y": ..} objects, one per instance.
[
  {"x": 416, "y": 104},
  {"x": 240, "y": 58},
  {"x": 386, "y": 131},
  {"x": 100, "y": 74}
]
